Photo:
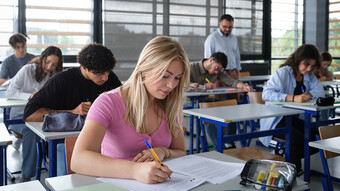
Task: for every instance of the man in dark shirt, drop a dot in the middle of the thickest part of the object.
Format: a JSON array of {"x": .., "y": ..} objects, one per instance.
[{"x": 74, "y": 90}]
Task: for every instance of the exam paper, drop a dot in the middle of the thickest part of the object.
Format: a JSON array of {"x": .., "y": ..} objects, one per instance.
[
  {"x": 213, "y": 171},
  {"x": 177, "y": 182}
]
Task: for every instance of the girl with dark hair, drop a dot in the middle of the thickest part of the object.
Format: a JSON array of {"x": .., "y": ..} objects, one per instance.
[
  {"x": 29, "y": 79},
  {"x": 294, "y": 81},
  {"x": 324, "y": 74}
]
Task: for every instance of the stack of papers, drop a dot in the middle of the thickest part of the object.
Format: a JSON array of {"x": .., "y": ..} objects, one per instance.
[
  {"x": 188, "y": 172},
  {"x": 210, "y": 170}
]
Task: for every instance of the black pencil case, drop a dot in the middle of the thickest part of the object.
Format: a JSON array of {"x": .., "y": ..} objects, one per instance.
[
  {"x": 268, "y": 175},
  {"x": 325, "y": 101}
]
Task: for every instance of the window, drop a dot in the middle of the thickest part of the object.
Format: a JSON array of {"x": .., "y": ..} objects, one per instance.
[
  {"x": 129, "y": 25},
  {"x": 8, "y": 20},
  {"x": 190, "y": 22},
  {"x": 287, "y": 24},
  {"x": 334, "y": 28},
  {"x": 63, "y": 23},
  {"x": 248, "y": 24}
]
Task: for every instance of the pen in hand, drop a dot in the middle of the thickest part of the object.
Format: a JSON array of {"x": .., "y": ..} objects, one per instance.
[
  {"x": 303, "y": 91},
  {"x": 153, "y": 153}
]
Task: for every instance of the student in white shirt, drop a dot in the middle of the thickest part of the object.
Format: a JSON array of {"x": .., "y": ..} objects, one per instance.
[{"x": 29, "y": 79}]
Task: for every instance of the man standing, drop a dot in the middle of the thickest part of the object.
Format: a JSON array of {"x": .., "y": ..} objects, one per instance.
[
  {"x": 222, "y": 40},
  {"x": 12, "y": 64}
]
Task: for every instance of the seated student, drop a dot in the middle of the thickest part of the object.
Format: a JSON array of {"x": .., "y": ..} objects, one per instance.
[
  {"x": 324, "y": 74},
  {"x": 74, "y": 90},
  {"x": 12, "y": 64},
  {"x": 293, "y": 82},
  {"x": 25, "y": 85},
  {"x": 148, "y": 106},
  {"x": 212, "y": 69}
]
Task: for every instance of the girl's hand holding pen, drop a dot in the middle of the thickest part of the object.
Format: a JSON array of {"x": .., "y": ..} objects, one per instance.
[
  {"x": 303, "y": 98},
  {"x": 151, "y": 172}
]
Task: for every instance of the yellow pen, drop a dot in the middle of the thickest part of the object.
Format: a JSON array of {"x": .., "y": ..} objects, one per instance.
[
  {"x": 206, "y": 79},
  {"x": 153, "y": 153}
]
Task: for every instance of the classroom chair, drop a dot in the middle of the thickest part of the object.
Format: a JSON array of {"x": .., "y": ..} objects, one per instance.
[
  {"x": 325, "y": 133},
  {"x": 255, "y": 97},
  {"x": 69, "y": 146},
  {"x": 242, "y": 74}
]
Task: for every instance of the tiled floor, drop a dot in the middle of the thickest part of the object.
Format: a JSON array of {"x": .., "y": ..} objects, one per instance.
[{"x": 14, "y": 163}]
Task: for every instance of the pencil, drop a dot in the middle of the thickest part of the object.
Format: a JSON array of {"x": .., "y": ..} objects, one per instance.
[
  {"x": 206, "y": 79},
  {"x": 153, "y": 153}
]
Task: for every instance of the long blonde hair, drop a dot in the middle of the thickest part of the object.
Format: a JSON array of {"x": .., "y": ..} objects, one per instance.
[{"x": 153, "y": 62}]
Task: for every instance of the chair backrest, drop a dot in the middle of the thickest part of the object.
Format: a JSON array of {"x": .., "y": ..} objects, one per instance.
[
  {"x": 337, "y": 76},
  {"x": 217, "y": 104},
  {"x": 69, "y": 145},
  {"x": 244, "y": 74},
  {"x": 329, "y": 132},
  {"x": 255, "y": 97}
]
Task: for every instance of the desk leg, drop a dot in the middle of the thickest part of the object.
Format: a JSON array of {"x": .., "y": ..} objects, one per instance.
[
  {"x": 288, "y": 138},
  {"x": 306, "y": 146},
  {"x": 52, "y": 153},
  {"x": 6, "y": 116},
  {"x": 198, "y": 135},
  {"x": 3, "y": 166},
  {"x": 252, "y": 129},
  {"x": 191, "y": 146},
  {"x": 219, "y": 138}
]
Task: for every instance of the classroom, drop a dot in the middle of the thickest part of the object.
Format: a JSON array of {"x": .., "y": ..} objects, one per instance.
[{"x": 263, "y": 60}]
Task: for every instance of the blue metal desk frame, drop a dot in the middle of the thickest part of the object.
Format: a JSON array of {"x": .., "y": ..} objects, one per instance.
[
  {"x": 52, "y": 156},
  {"x": 3, "y": 165},
  {"x": 198, "y": 128},
  {"x": 308, "y": 126},
  {"x": 221, "y": 139}
]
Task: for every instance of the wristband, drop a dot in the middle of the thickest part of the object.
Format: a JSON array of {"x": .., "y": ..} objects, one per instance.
[
  {"x": 293, "y": 97},
  {"x": 166, "y": 152}
]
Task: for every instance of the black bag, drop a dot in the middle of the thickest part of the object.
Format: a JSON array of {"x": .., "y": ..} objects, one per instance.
[
  {"x": 273, "y": 175},
  {"x": 325, "y": 101},
  {"x": 63, "y": 121}
]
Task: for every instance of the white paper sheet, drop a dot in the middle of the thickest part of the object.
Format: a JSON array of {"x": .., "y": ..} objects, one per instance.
[
  {"x": 177, "y": 182},
  {"x": 213, "y": 171}
]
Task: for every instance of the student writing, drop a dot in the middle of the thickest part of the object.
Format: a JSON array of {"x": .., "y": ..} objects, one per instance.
[
  {"x": 24, "y": 85},
  {"x": 294, "y": 81},
  {"x": 148, "y": 106}
]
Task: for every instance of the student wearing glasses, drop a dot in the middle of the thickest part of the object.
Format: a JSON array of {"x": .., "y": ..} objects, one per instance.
[
  {"x": 210, "y": 72},
  {"x": 294, "y": 81},
  {"x": 212, "y": 69}
]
